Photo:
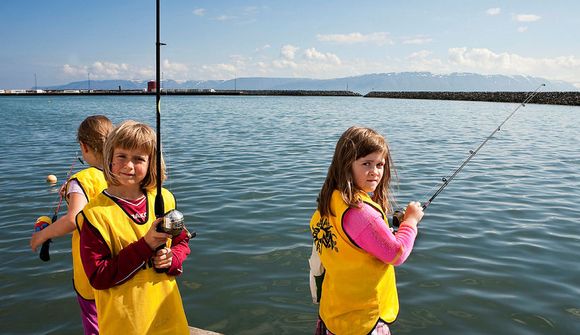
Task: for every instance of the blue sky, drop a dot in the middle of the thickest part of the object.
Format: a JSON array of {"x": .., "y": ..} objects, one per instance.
[{"x": 61, "y": 41}]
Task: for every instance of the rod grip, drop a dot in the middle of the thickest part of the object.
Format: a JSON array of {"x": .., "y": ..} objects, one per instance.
[{"x": 44, "y": 253}]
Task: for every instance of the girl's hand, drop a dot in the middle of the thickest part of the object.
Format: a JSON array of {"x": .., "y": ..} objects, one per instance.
[
  {"x": 37, "y": 239},
  {"x": 163, "y": 258},
  {"x": 153, "y": 238},
  {"x": 413, "y": 214},
  {"x": 62, "y": 190}
]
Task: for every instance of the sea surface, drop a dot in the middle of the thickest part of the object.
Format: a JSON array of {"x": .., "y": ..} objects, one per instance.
[{"x": 497, "y": 253}]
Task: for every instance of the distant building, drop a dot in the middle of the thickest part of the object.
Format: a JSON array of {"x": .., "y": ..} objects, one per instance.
[{"x": 151, "y": 86}]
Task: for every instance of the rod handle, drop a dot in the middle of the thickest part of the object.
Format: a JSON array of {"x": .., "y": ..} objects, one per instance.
[
  {"x": 44, "y": 252},
  {"x": 157, "y": 249}
]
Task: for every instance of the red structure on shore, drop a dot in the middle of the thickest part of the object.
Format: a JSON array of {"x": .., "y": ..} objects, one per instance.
[{"x": 151, "y": 86}]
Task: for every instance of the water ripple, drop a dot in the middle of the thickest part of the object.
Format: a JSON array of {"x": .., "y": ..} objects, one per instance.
[{"x": 495, "y": 252}]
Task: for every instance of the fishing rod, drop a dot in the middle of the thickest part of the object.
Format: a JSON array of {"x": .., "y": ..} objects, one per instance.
[
  {"x": 159, "y": 205},
  {"x": 398, "y": 214},
  {"x": 173, "y": 221}
]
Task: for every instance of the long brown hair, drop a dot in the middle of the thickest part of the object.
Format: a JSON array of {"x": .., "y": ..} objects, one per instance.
[
  {"x": 132, "y": 135},
  {"x": 93, "y": 132},
  {"x": 356, "y": 142}
]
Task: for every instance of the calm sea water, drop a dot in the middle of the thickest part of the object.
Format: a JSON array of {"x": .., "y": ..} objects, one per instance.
[{"x": 497, "y": 251}]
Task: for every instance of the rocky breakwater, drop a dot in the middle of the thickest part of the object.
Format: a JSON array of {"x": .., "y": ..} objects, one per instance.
[
  {"x": 264, "y": 92},
  {"x": 548, "y": 98}
]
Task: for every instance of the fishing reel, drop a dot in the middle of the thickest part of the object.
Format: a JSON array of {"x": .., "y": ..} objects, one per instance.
[
  {"x": 172, "y": 223},
  {"x": 397, "y": 217}
]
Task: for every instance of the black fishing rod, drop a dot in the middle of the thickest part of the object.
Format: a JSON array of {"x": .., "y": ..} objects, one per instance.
[
  {"x": 159, "y": 205},
  {"x": 173, "y": 221},
  {"x": 398, "y": 214}
]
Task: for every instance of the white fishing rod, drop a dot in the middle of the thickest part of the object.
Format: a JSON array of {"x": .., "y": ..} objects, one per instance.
[{"x": 398, "y": 214}]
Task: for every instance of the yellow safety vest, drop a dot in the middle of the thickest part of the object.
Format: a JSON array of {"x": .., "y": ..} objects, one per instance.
[
  {"x": 358, "y": 288},
  {"x": 92, "y": 182},
  {"x": 147, "y": 303}
]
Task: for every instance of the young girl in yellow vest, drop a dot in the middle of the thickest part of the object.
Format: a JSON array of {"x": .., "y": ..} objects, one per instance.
[
  {"x": 355, "y": 251},
  {"x": 79, "y": 190},
  {"x": 119, "y": 241}
]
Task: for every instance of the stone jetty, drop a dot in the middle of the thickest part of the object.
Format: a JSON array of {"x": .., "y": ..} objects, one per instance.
[
  {"x": 207, "y": 92},
  {"x": 548, "y": 98}
]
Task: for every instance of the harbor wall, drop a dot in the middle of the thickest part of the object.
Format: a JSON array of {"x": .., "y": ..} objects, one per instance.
[{"x": 549, "y": 98}]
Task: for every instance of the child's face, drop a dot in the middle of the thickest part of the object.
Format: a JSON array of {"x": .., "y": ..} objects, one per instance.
[
  {"x": 368, "y": 171},
  {"x": 130, "y": 167}
]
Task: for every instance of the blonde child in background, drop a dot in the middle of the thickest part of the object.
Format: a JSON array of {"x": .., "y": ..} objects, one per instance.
[
  {"x": 119, "y": 241},
  {"x": 79, "y": 190},
  {"x": 354, "y": 250}
]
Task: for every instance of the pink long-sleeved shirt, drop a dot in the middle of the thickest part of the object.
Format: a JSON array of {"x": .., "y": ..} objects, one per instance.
[{"x": 365, "y": 227}]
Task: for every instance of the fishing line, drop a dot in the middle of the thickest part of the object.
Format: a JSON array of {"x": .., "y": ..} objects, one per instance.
[
  {"x": 44, "y": 250},
  {"x": 398, "y": 214}
]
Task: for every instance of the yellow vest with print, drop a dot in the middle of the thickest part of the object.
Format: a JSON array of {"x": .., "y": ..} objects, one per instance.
[
  {"x": 92, "y": 182},
  {"x": 147, "y": 303},
  {"x": 358, "y": 289}
]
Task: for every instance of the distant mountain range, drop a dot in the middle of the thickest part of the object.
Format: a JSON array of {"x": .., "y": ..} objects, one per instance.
[{"x": 399, "y": 81}]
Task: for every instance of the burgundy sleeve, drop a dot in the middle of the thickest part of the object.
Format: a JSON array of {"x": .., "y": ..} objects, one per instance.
[
  {"x": 180, "y": 250},
  {"x": 103, "y": 270}
]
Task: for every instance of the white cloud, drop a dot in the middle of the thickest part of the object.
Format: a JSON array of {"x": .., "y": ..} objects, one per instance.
[
  {"x": 417, "y": 40},
  {"x": 420, "y": 54},
  {"x": 284, "y": 63},
  {"x": 100, "y": 70},
  {"x": 199, "y": 11},
  {"x": 379, "y": 38},
  {"x": 313, "y": 54},
  {"x": 485, "y": 61},
  {"x": 244, "y": 15},
  {"x": 263, "y": 48},
  {"x": 173, "y": 68},
  {"x": 527, "y": 17},
  {"x": 493, "y": 11},
  {"x": 307, "y": 62},
  {"x": 522, "y": 29},
  {"x": 225, "y": 17},
  {"x": 294, "y": 61},
  {"x": 288, "y": 52},
  {"x": 219, "y": 71},
  {"x": 422, "y": 61},
  {"x": 109, "y": 69}
]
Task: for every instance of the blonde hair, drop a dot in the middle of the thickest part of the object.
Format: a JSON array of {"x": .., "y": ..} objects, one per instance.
[
  {"x": 356, "y": 142},
  {"x": 134, "y": 136},
  {"x": 93, "y": 132}
]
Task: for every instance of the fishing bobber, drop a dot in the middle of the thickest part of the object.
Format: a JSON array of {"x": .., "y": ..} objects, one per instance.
[{"x": 51, "y": 179}]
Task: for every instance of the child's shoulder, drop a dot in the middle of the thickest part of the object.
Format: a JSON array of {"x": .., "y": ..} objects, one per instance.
[
  {"x": 90, "y": 172},
  {"x": 101, "y": 199}
]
